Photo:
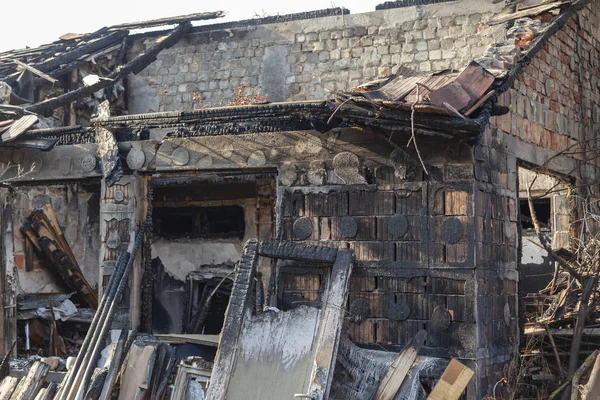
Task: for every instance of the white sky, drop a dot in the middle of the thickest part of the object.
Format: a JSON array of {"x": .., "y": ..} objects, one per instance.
[{"x": 35, "y": 22}]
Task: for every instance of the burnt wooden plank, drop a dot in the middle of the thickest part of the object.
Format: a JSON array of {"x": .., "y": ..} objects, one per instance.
[
  {"x": 19, "y": 127},
  {"x": 453, "y": 382},
  {"x": 392, "y": 381}
]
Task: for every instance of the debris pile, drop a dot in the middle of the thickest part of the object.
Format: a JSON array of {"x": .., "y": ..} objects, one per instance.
[{"x": 561, "y": 339}]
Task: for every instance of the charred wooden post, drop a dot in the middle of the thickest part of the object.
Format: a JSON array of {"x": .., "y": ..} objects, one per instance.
[
  {"x": 240, "y": 301},
  {"x": 96, "y": 384},
  {"x": 114, "y": 363},
  {"x": 8, "y": 283}
]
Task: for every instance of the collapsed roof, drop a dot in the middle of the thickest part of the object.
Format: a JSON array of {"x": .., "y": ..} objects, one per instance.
[{"x": 449, "y": 104}]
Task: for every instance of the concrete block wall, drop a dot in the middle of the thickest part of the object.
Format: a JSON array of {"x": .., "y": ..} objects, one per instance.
[
  {"x": 308, "y": 59},
  {"x": 76, "y": 209}
]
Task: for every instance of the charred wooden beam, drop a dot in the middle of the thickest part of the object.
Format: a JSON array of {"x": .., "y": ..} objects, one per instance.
[
  {"x": 293, "y": 251},
  {"x": 44, "y": 226},
  {"x": 169, "y": 20},
  {"x": 134, "y": 66},
  {"x": 63, "y": 63},
  {"x": 239, "y": 303}
]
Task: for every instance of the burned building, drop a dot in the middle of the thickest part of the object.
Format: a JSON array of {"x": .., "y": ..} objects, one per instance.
[{"x": 275, "y": 161}]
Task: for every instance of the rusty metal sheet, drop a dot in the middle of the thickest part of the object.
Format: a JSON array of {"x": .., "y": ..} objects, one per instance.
[{"x": 405, "y": 88}]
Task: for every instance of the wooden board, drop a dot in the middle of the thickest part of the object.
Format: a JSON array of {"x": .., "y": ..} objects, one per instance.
[
  {"x": 29, "y": 386},
  {"x": 392, "y": 381},
  {"x": 206, "y": 340},
  {"x": 453, "y": 382},
  {"x": 19, "y": 126},
  {"x": 7, "y": 387},
  {"x": 532, "y": 11}
]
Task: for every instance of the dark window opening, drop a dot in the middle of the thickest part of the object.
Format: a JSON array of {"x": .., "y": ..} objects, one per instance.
[
  {"x": 543, "y": 212},
  {"x": 200, "y": 222},
  {"x": 209, "y": 300}
]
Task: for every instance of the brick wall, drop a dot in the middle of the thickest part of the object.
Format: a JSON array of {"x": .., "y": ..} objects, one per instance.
[
  {"x": 554, "y": 106},
  {"x": 555, "y": 103},
  {"x": 303, "y": 60},
  {"x": 76, "y": 209}
]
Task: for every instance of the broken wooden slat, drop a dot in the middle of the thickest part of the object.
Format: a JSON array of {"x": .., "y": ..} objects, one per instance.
[
  {"x": 453, "y": 110},
  {"x": 392, "y": 381},
  {"x": 71, "y": 36},
  {"x": 201, "y": 339},
  {"x": 47, "y": 393},
  {"x": 238, "y": 304},
  {"x": 533, "y": 11},
  {"x": 19, "y": 126},
  {"x": 480, "y": 102},
  {"x": 29, "y": 386},
  {"x": 42, "y": 226},
  {"x": 51, "y": 216},
  {"x": 7, "y": 387},
  {"x": 96, "y": 385},
  {"x": 35, "y": 71},
  {"x": 453, "y": 382},
  {"x": 591, "y": 390},
  {"x": 113, "y": 369}
]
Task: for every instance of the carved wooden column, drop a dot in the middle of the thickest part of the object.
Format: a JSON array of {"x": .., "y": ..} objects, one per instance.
[{"x": 122, "y": 208}]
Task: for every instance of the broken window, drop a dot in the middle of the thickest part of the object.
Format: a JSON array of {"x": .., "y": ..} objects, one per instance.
[
  {"x": 542, "y": 209},
  {"x": 550, "y": 204}
]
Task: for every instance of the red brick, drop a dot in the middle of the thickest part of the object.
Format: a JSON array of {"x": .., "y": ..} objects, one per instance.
[{"x": 20, "y": 261}]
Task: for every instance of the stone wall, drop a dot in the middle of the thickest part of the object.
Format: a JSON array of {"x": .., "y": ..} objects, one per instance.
[
  {"x": 307, "y": 59},
  {"x": 76, "y": 208}
]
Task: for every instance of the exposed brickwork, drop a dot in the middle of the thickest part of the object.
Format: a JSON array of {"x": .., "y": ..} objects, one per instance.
[{"x": 555, "y": 103}]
